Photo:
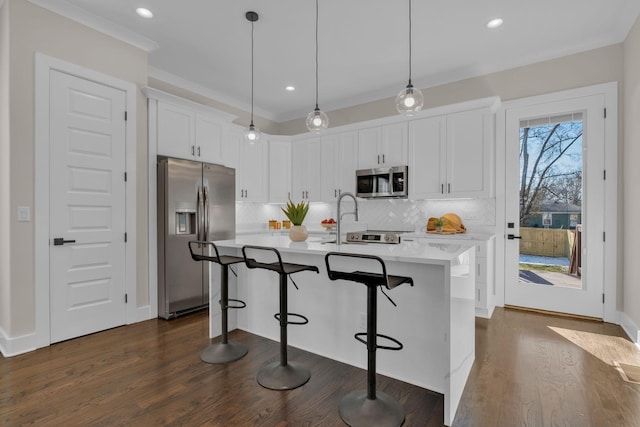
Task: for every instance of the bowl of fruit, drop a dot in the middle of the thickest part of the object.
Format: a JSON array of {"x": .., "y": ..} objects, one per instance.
[{"x": 328, "y": 224}]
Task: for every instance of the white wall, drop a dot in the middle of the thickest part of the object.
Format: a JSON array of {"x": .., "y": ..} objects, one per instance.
[
  {"x": 32, "y": 29},
  {"x": 5, "y": 169},
  {"x": 631, "y": 175}
]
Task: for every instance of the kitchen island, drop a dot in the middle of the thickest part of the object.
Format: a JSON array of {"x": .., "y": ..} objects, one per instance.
[{"x": 434, "y": 319}]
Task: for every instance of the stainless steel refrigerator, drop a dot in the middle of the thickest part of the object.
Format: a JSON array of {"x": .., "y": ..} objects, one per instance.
[{"x": 196, "y": 201}]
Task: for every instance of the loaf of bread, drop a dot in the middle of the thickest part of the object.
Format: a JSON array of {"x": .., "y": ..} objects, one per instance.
[{"x": 452, "y": 224}]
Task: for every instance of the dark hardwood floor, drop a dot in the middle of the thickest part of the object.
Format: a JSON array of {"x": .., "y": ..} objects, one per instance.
[{"x": 530, "y": 370}]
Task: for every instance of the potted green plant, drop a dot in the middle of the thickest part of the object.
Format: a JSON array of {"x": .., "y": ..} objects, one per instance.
[
  {"x": 296, "y": 214},
  {"x": 439, "y": 223}
]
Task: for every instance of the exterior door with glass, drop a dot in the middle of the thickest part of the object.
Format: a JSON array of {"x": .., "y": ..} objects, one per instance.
[{"x": 555, "y": 159}]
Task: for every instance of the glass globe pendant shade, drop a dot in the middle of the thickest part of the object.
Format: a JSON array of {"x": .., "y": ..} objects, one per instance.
[
  {"x": 317, "y": 121},
  {"x": 252, "y": 134},
  {"x": 409, "y": 101}
]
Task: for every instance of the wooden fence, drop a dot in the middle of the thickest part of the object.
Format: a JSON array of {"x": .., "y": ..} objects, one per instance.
[{"x": 551, "y": 242}]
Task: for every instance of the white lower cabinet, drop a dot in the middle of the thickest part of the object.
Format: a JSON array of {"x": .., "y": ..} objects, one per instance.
[{"x": 339, "y": 160}]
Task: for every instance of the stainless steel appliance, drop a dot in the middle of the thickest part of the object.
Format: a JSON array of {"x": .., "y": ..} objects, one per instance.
[
  {"x": 388, "y": 237},
  {"x": 382, "y": 182},
  {"x": 196, "y": 201}
]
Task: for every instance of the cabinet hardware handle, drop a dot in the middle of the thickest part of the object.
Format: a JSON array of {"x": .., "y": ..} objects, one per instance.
[
  {"x": 303, "y": 194},
  {"x": 198, "y": 151},
  {"x": 449, "y": 186},
  {"x": 289, "y": 195},
  {"x": 383, "y": 158},
  {"x": 378, "y": 158},
  {"x": 193, "y": 150},
  {"x": 306, "y": 194},
  {"x": 246, "y": 193},
  {"x": 441, "y": 188}
]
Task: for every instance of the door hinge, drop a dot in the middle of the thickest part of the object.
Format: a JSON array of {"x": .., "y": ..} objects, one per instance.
[
  {"x": 126, "y": 298},
  {"x": 125, "y": 177},
  {"x": 125, "y": 116},
  {"x": 125, "y": 237},
  {"x": 605, "y": 113},
  {"x": 603, "y": 298}
]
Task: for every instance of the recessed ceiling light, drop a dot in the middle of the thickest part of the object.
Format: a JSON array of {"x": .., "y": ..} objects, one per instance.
[
  {"x": 494, "y": 23},
  {"x": 289, "y": 88},
  {"x": 145, "y": 13}
]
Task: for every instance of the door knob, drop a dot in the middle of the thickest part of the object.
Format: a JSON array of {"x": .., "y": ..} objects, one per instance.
[
  {"x": 59, "y": 241},
  {"x": 511, "y": 237}
]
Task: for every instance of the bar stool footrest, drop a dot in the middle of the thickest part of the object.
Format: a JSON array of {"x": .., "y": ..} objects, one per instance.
[
  {"x": 356, "y": 409},
  {"x": 397, "y": 347},
  {"x": 304, "y": 320},
  {"x": 239, "y": 303}
]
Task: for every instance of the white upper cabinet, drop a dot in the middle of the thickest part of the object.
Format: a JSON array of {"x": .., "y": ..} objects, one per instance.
[
  {"x": 451, "y": 156},
  {"x": 382, "y": 146},
  {"x": 208, "y": 140},
  {"x": 176, "y": 131},
  {"x": 427, "y": 151},
  {"x": 339, "y": 164},
  {"x": 185, "y": 129},
  {"x": 305, "y": 170},
  {"x": 279, "y": 169},
  {"x": 251, "y": 166}
]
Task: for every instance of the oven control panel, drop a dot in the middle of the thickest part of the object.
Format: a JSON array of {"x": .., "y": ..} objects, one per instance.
[{"x": 373, "y": 237}]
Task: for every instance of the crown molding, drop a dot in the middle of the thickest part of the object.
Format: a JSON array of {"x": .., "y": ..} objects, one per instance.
[
  {"x": 183, "y": 83},
  {"x": 152, "y": 93},
  {"x": 75, "y": 13}
]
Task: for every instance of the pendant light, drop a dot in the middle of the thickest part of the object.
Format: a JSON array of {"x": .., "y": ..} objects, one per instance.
[
  {"x": 410, "y": 100},
  {"x": 317, "y": 120},
  {"x": 252, "y": 134}
]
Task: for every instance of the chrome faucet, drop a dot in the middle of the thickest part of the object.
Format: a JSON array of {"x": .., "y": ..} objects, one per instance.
[{"x": 355, "y": 213}]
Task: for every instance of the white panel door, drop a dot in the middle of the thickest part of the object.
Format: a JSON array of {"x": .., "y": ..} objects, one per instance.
[{"x": 87, "y": 205}]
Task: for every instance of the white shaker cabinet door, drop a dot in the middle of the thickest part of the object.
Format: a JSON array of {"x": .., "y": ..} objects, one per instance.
[
  {"x": 469, "y": 154},
  {"x": 176, "y": 131},
  {"x": 279, "y": 170},
  {"x": 208, "y": 140},
  {"x": 427, "y": 154}
]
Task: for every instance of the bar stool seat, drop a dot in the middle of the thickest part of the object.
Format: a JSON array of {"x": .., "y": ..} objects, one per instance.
[
  {"x": 370, "y": 407},
  {"x": 280, "y": 375},
  {"x": 224, "y": 351}
]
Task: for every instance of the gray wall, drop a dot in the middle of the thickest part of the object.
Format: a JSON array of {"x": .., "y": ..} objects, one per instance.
[{"x": 631, "y": 174}]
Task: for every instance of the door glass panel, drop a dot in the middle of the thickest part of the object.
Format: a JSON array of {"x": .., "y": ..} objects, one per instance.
[{"x": 551, "y": 185}]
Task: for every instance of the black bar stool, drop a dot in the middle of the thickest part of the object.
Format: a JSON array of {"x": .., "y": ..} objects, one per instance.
[
  {"x": 224, "y": 351},
  {"x": 368, "y": 407},
  {"x": 282, "y": 375}
]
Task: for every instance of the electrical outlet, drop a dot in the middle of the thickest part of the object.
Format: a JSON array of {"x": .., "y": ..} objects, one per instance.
[{"x": 362, "y": 321}]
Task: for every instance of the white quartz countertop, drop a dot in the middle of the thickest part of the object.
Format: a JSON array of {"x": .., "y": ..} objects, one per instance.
[
  {"x": 472, "y": 237},
  {"x": 417, "y": 251}
]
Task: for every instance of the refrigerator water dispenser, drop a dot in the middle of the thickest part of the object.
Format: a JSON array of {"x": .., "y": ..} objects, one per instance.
[{"x": 185, "y": 223}]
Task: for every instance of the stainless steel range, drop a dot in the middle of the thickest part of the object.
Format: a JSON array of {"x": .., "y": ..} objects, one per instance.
[{"x": 387, "y": 237}]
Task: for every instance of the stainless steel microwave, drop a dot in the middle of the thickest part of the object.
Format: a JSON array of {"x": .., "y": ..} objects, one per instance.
[{"x": 382, "y": 182}]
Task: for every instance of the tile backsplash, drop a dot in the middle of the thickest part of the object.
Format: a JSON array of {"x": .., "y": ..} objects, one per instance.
[{"x": 381, "y": 214}]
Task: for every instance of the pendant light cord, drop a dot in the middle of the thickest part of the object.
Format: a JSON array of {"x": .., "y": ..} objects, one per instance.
[
  {"x": 251, "y": 73},
  {"x": 410, "y": 49},
  {"x": 316, "y": 54}
]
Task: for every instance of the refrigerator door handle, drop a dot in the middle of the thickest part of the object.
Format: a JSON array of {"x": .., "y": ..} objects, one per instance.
[
  {"x": 205, "y": 235},
  {"x": 200, "y": 215}
]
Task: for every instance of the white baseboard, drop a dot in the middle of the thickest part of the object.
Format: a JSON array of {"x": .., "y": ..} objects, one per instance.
[
  {"x": 629, "y": 326},
  {"x": 10, "y": 347},
  {"x": 485, "y": 313},
  {"x": 141, "y": 314}
]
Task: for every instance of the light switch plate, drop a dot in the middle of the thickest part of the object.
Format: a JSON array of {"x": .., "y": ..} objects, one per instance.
[{"x": 24, "y": 213}]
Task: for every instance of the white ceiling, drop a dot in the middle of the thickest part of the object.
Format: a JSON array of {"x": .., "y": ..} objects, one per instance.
[{"x": 363, "y": 53}]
